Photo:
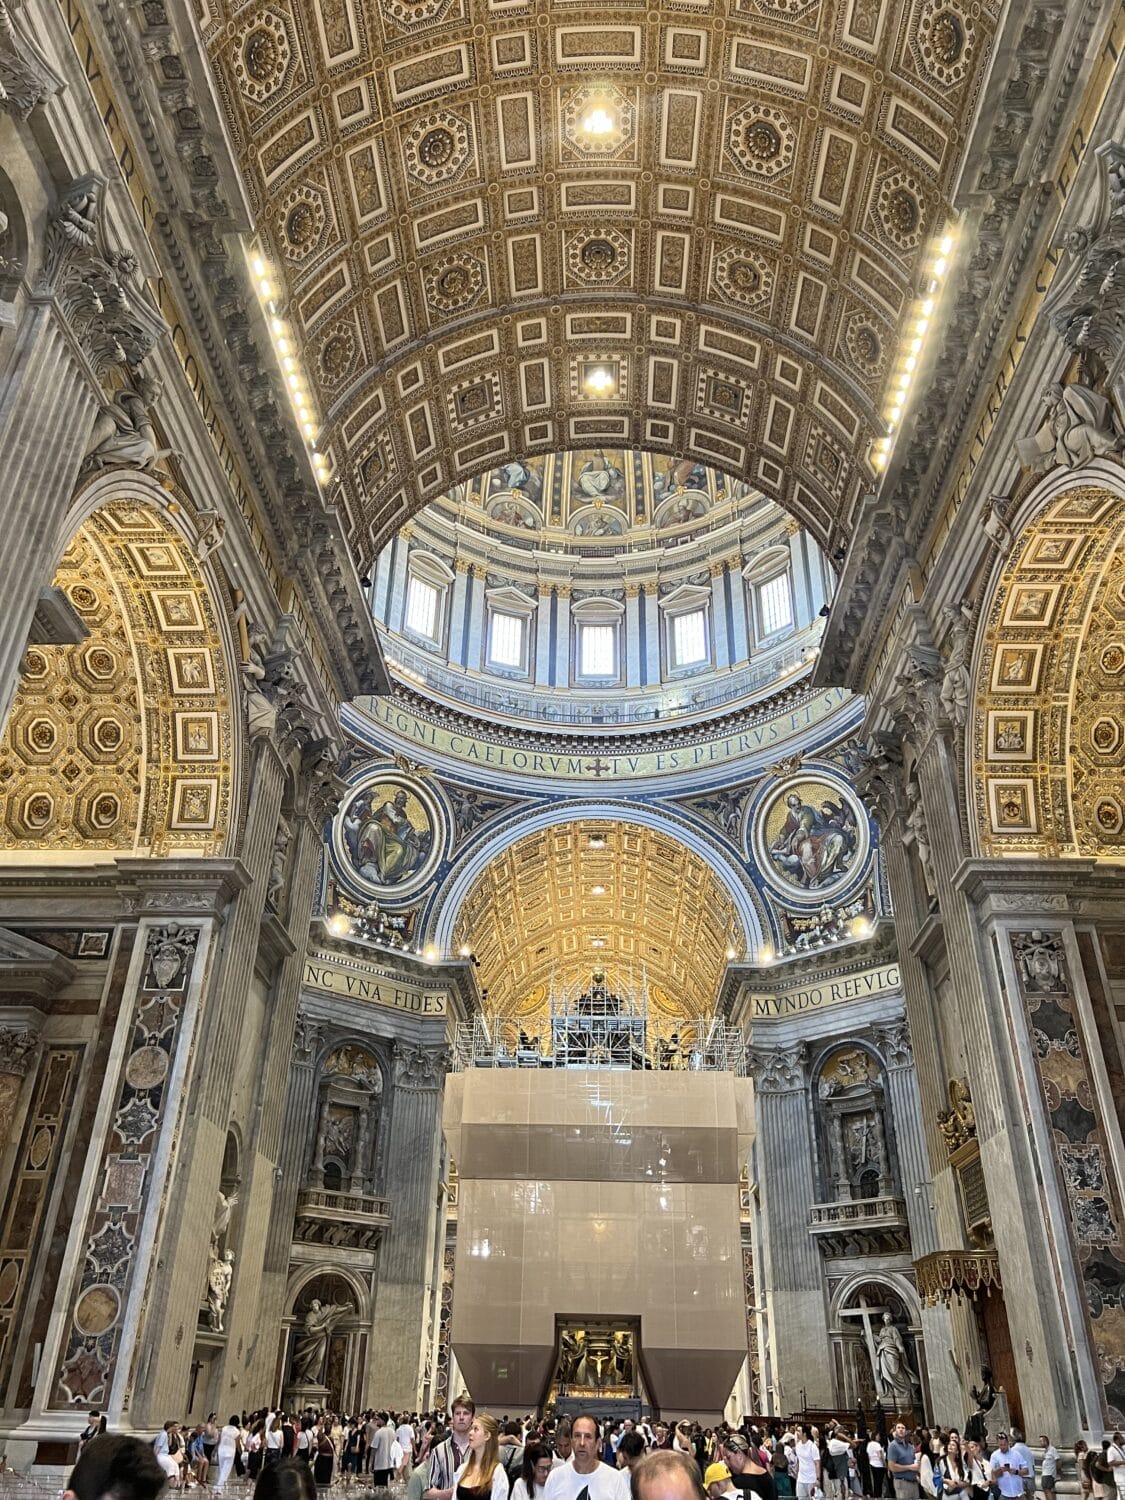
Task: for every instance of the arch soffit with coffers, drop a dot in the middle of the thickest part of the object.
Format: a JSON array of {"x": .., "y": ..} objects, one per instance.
[
  {"x": 1044, "y": 753},
  {"x": 894, "y": 1281},
  {"x": 454, "y": 248},
  {"x": 155, "y": 671},
  {"x": 305, "y": 1274},
  {"x": 441, "y": 919}
]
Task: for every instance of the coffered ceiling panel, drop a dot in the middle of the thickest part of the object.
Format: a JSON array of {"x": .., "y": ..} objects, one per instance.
[
  {"x": 580, "y": 896},
  {"x": 470, "y": 205}
]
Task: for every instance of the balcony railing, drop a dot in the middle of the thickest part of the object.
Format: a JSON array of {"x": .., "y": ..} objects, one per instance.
[
  {"x": 350, "y": 1220},
  {"x": 858, "y": 1212}
]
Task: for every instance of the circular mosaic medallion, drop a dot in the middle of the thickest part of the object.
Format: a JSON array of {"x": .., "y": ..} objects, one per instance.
[
  {"x": 811, "y": 837},
  {"x": 390, "y": 835},
  {"x": 147, "y": 1067}
]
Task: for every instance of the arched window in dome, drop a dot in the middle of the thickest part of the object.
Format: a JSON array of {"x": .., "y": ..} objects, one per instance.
[
  {"x": 509, "y": 630},
  {"x": 770, "y": 579},
  {"x": 425, "y": 609},
  {"x": 597, "y": 641},
  {"x": 687, "y": 628}
]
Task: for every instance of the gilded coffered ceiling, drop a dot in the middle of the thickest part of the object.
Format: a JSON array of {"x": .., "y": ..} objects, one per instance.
[
  {"x": 579, "y": 896},
  {"x": 726, "y": 208}
]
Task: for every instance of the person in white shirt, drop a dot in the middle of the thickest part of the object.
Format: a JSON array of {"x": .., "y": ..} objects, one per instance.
[
  {"x": 405, "y": 1436},
  {"x": 1026, "y": 1459},
  {"x": 808, "y": 1463},
  {"x": 535, "y": 1469},
  {"x": 839, "y": 1451},
  {"x": 481, "y": 1476},
  {"x": 169, "y": 1450},
  {"x": 1006, "y": 1471},
  {"x": 877, "y": 1463},
  {"x": 584, "y": 1476},
  {"x": 1115, "y": 1458},
  {"x": 718, "y": 1483},
  {"x": 230, "y": 1437},
  {"x": 1049, "y": 1468}
]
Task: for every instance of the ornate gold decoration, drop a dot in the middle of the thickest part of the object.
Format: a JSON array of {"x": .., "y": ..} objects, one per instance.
[
  {"x": 956, "y": 1273},
  {"x": 1050, "y": 693},
  {"x": 124, "y": 742},
  {"x": 513, "y": 199},
  {"x": 535, "y": 914},
  {"x": 958, "y": 1123}
]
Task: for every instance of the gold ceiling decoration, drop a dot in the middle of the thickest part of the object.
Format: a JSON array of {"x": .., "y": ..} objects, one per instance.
[
  {"x": 123, "y": 743},
  {"x": 1049, "y": 721},
  {"x": 506, "y": 227},
  {"x": 579, "y": 896}
]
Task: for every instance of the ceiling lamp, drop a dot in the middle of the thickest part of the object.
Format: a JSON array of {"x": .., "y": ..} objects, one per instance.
[
  {"x": 597, "y": 841},
  {"x": 598, "y": 121},
  {"x": 597, "y": 890},
  {"x": 599, "y": 381}
]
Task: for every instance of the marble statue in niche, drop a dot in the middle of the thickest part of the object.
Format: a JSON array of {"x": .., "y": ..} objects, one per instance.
[
  {"x": 311, "y": 1345},
  {"x": 893, "y": 1372}
]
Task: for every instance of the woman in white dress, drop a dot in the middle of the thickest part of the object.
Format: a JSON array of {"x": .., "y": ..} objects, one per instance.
[{"x": 230, "y": 1438}]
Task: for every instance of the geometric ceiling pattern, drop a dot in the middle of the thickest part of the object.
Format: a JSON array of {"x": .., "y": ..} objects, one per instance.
[
  {"x": 574, "y": 897},
  {"x": 726, "y": 206}
]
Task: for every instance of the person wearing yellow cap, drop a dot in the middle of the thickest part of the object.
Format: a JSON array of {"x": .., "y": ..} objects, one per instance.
[{"x": 718, "y": 1483}]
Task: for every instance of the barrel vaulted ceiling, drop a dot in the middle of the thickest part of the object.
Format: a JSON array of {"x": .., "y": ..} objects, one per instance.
[
  {"x": 740, "y": 241},
  {"x": 574, "y": 897}
]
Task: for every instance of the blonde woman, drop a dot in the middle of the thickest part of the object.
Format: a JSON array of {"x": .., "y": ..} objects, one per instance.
[{"x": 481, "y": 1476}]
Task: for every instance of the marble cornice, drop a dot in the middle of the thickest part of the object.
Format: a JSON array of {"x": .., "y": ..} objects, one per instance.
[
  {"x": 636, "y": 738},
  {"x": 819, "y": 967},
  {"x": 1009, "y": 212},
  {"x": 1040, "y": 890}
]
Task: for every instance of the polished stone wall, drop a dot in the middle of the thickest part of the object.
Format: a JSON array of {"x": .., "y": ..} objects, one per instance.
[{"x": 595, "y": 1192}]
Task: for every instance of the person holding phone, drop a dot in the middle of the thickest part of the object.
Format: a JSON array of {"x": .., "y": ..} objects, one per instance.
[{"x": 1007, "y": 1472}]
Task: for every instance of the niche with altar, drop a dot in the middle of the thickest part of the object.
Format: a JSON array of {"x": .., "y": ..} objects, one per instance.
[
  {"x": 345, "y": 1155},
  {"x": 852, "y": 1121}
]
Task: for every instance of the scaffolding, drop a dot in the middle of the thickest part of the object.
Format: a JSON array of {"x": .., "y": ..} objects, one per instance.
[{"x": 590, "y": 1025}]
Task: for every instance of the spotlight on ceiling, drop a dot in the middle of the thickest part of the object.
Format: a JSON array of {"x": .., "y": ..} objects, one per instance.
[
  {"x": 338, "y": 925},
  {"x": 597, "y": 942},
  {"x": 825, "y": 611},
  {"x": 365, "y": 581},
  {"x": 597, "y": 890},
  {"x": 599, "y": 381},
  {"x": 597, "y": 841},
  {"x": 732, "y": 953},
  {"x": 465, "y": 951},
  {"x": 598, "y": 121}
]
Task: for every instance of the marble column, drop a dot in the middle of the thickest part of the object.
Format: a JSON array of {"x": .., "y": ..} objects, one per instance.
[
  {"x": 85, "y": 315},
  {"x": 456, "y": 651},
  {"x": 787, "y": 1185},
  {"x": 650, "y": 645},
  {"x": 562, "y": 638},
  {"x": 413, "y": 1160}
]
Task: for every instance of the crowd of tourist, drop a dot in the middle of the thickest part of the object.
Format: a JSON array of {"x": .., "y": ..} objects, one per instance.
[{"x": 473, "y": 1456}]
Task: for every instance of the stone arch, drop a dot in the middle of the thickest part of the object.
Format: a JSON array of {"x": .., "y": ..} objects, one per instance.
[
  {"x": 126, "y": 743},
  {"x": 1045, "y": 748},
  {"x": 442, "y": 917}
]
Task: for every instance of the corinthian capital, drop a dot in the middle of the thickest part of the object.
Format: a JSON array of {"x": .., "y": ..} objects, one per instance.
[
  {"x": 894, "y": 1041},
  {"x": 879, "y": 778},
  {"x": 421, "y": 1067},
  {"x": 778, "y": 1070},
  {"x": 18, "y": 1046},
  {"x": 96, "y": 287},
  {"x": 26, "y": 78}
]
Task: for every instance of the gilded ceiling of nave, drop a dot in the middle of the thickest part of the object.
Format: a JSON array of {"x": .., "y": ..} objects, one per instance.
[
  {"x": 738, "y": 243},
  {"x": 579, "y": 896}
]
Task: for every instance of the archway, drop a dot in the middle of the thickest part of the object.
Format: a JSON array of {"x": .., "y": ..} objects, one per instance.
[
  {"x": 125, "y": 743},
  {"x": 560, "y": 902},
  {"x": 1047, "y": 742}
]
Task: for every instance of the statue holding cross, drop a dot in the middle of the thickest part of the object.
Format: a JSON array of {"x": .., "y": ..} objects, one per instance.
[{"x": 895, "y": 1380}]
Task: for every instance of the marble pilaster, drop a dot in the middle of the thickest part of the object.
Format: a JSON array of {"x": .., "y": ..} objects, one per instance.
[
  {"x": 786, "y": 1185},
  {"x": 406, "y": 1262},
  {"x": 632, "y": 636}
]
